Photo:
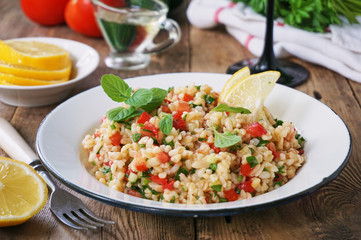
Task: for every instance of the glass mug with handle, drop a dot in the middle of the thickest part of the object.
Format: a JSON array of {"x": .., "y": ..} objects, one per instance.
[{"x": 130, "y": 26}]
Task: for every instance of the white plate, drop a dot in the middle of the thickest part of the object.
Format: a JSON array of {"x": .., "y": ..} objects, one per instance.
[
  {"x": 85, "y": 60},
  {"x": 327, "y": 149}
]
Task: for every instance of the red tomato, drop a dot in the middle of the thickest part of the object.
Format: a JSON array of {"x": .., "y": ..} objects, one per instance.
[
  {"x": 255, "y": 129},
  {"x": 163, "y": 157},
  {"x": 144, "y": 117},
  {"x": 79, "y": 15},
  {"x": 231, "y": 195},
  {"x": 109, "y": 164},
  {"x": 246, "y": 169},
  {"x": 215, "y": 149},
  {"x": 183, "y": 107},
  {"x": 158, "y": 180},
  {"x": 139, "y": 162},
  {"x": 180, "y": 124},
  {"x": 300, "y": 151},
  {"x": 187, "y": 97},
  {"x": 134, "y": 193},
  {"x": 165, "y": 109},
  {"x": 114, "y": 3},
  {"x": 246, "y": 186},
  {"x": 272, "y": 148},
  {"x": 116, "y": 138},
  {"x": 149, "y": 130},
  {"x": 97, "y": 134},
  {"x": 45, "y": 12},
  {"x": 177, "y": 115},
  {"x": 168, "y": 185}
]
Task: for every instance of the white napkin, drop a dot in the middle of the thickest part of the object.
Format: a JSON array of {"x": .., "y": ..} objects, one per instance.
[{"x": 338, "y": 50}]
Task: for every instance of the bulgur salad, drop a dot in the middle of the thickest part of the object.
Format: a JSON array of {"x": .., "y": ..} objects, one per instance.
[{"x": 183, "y": 146}]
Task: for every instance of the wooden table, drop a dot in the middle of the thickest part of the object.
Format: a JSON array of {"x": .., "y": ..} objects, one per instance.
[{"x": 333, "y": 212}]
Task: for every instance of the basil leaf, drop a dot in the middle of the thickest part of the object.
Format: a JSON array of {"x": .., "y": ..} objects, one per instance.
[
  {"x": 166, "y": 124},
  {"x": 158, "y": 97},
  {"x": 140, "y": 98},
  {"x": 225, "y": 139},
  {"x": 225, "y": 108},
  {"x": 115, "y": 87},
  {"x": 119, "y": 113},
  {"x": 252, "y": 161},
  {"x": 217, "y": 188}
]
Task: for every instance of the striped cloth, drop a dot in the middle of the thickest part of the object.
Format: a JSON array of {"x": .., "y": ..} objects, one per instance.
[{"x": 339, "y": 49}]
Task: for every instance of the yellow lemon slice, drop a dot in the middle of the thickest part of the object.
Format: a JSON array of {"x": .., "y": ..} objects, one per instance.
[
  {"x": 23, "y": 193},
  {"x": 29, "y": 72},
  {"x": 236, "y": 77},
  {"x": 252, "y": 91},
  {"x": 34, "y": 54},
  {"x": 7, "y": 79}
]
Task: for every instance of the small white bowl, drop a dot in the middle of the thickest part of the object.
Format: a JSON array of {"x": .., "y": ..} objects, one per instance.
[{"x": 85, "y": 60}]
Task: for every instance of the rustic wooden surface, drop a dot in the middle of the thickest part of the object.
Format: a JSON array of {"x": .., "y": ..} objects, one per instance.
[{"x": 333, "y": 212}]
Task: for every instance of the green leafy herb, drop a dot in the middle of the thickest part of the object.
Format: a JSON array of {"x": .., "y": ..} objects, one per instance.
[
  {"x": 166, "y": 124},
  {"x": 172, "y": 200},
  {"x": 314, "y": 16},
  {"x": 142, "y": 145},
  {"x": 262, "y": 142},
  {"x": 225, "y": 108},
  {"x": 115, "y": 87},
  {"x": 140, "y": 98},
  {"x": 202, "y": 139},
  {"x": 240, "y": 178},
  {"x": 157, "y": 99},
  {"x": 252, "y": 161},
  {"x": 181, "y": 170},
  {"x": 213, "y": 166},
  {"x": 193, "y": 171},
  {"x": 300, "y": 140},
  {"x": 93, "y": 163},
  {"x": 105, "y": 170},
  {"x": 252, "y": 150},
  {"x": 226, "y": 139},
  {"x": 278, "y": 183},
  {"x": 278, "y": 123},
  {"x": 136, "y": 137},
  {"x": 217, "y": 188},
  {"x": 280, "y": 169},
  {"x": 223, "y": 200}
]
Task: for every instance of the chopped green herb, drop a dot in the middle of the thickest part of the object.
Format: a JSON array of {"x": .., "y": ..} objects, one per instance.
[
  {"x": 278, "y": 123},
  {"x": 144, "y": 181},
  {"x": 99, "y": 149},
  {"x": 262, "y": 142},
  {"x": 240, "y": 178},
  {"x": 113, "y": 126},
  {"x": 141, "y": 125},
  {"x": 93, "y": 163},
  {"x": 193, "y": 171},
  {"x": 171, "y": 163},
  {"x": 161, "y": 197},
  {"x": 105, "y": 170},
  {"x": 300, "y": 140},
  {"x": 183, "y": 159},
  {"x": 223, "y": 200},
  {"x": 217, "y": 188},
  {"x": 202, "y": 139},
  {"x": 197, "y": 197},
  {"x": 186, "y": 147},
  {"x": 280, "y": 169},
  {"x": 147, "y": 130},
  {"x": 265, "y": 169},
  {"x": 185, "y": 117},
  {"x": 172, "y": 200},
  {"x": 136, "y": 137},
  {"x": 170, "y": 89},
  {"x": 142, "y": 145},
  {"x": 238, "y": 191},
  {"x": 210, "y": 99},
  {"x": 181, "y": 170},
  {"x": 279, "y": 183},
  {"x": 252, "y": 150},
  {"x": 213, "y": 166},
  {"x": 252, "y": 161},
  {"x": 198, "y": 87}
]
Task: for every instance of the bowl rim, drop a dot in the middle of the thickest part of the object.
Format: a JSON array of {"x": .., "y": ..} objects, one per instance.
[{"x": 51, "y": 86}]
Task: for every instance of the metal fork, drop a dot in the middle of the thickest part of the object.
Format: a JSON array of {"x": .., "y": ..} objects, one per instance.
[{"x": 66, "y": 207}]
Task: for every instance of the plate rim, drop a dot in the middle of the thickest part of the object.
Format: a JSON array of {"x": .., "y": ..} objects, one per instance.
[{"x": 194, "y": 212}]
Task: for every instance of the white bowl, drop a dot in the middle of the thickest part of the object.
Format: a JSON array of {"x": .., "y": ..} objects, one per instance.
[{"x": 85, "y": 60}]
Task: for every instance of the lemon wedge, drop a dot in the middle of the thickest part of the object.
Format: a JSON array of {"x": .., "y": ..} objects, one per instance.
[
  {"x": 34, "y": 54},
  {"x": 23, "y": 193},
  {"x": 29, "y": 72},
  {"x": 236, "y": 77},
  {"x": 7, "y": 79},
  {"x": 252, "y": 91}
]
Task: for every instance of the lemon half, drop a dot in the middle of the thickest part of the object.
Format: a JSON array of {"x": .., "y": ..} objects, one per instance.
[
  {"x": 23, "y": 193},
  {"x": 235, "y": 78}
]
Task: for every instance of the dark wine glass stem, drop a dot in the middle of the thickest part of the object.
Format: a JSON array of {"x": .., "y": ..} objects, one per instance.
[{"x": 267, "y": 61}]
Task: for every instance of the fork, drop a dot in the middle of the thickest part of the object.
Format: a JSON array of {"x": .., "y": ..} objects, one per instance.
[{"x": 66, "y": 207}]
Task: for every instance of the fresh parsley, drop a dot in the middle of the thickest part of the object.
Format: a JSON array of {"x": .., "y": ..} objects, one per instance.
[
  {"x": 252, "y": 161},
  {"x": 136, "y": 137},
  {"x": 217, "y": 188},
  {"x": 225, "y": 108}
]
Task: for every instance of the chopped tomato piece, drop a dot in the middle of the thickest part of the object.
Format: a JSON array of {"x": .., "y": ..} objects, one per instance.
[
  {"x": 97, "y": 155},
  {"x": 134, "y": 193},
  {"x": 183, "y": 107},
  {"x": 246, "y": 169},
  {"x": 116, "y": 138},
  {"x": 255, "y": 129},
  {"x": 144, "y": 117},
  {"x": 177, "y": 115},
  {"x": 97, "y": 134},
  {"x": 187, "y": 97},
  {"x": 215, "y": 149},
  {"x": 109, "y": 163},
  {"x": 231, "y": 195},
  {"x": 246, "y": 186},
  {"x": 180, "y": 124},
  {"x": 165, "y": 109},
  {"x": 163, "y": 157},
  {"x": 300, "y": 151},
  {"x": 139, "y": 162},
  {"x": 149, "y": 130},
  {"x": 158, "y": 180},
  {"x": 272, "y": 148},
  {"x": 168, "y": 185},
  {"x": 141, "y": 166}
]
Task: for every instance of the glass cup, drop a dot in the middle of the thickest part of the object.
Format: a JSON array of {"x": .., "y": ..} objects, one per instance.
[{"x": 130, "y": 26}]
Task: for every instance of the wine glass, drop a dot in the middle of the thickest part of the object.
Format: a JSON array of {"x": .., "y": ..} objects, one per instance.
[{"x": 292, "y": 74}]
